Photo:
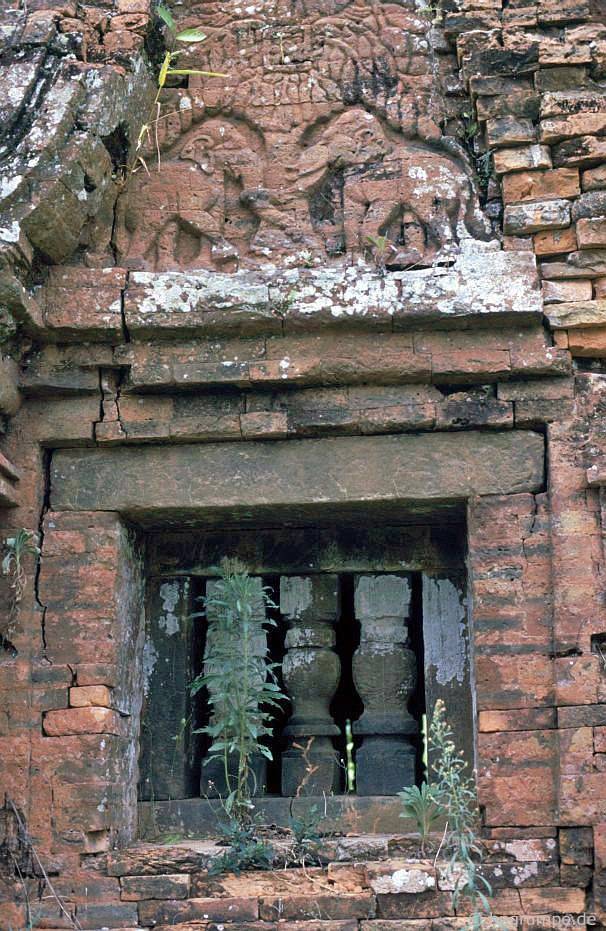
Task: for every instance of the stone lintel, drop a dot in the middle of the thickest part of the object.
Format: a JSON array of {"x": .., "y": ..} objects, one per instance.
[{"x": 188, "y": 480}]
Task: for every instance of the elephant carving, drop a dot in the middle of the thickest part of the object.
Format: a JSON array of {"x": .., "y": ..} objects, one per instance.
[
  {"x": 190, "y": 211},
  {"x": 220, "y": 199},
  {"x": 364, "y": 184}
]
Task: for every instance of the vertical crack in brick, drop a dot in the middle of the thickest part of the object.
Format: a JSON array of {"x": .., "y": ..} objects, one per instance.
[{"x": 46, "y": 469}]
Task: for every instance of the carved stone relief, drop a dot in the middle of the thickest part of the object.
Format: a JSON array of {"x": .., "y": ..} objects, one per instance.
[{"x": 322, "y": 144}]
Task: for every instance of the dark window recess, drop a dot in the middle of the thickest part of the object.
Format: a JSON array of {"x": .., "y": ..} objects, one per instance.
[{"x": 353, "y": 649}]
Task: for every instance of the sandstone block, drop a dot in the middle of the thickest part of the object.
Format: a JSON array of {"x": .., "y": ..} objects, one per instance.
[
  {"x": 599, "y": 286},
  {"x": 594, "y": 179},
  {"x": 576, "y": 124},
  {"x": 586, "y": 263},
  {"x": 430, "y": 904},
  {"x": 576, "y": 750},
  {"x": 546, "y": 389},
  {"x": 583, "y": 151},
  {"x": 522, "y": 103},
  {"x": 168, "y": 886},
  {"x": 152, "y": 860},
  {"x": 590, "y": 204},
  {"x": 563, "y": 78},
  {"x": 508, "y": 130},
  {"x": 541, "y": 185},
  {"x": 173, "y": 912},
  {"x": 10, "y": 398},
  {"x": 552, "y": 242},
  {"x": 591, "y": 233},
  {"x": 564, "y": 292},
  {"x": 587, "y": 343},
  {"x": 97, "y": 674},
  {"x": 577, "y": 314},
  {"x": 531, "y": 218},
  {"x": 264, "y": 424},
  {"x": 524, "y": 158},
  {"x": 555, "y": 901},
  {"x": 96, "y": 915},
  {"x": 306, "y": 907}
]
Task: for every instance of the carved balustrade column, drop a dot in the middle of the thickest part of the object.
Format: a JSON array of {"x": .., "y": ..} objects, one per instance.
[
  {"x": 311, "y": 671},
  {"x": 212, "y": 778},
  {"x": 385, "y": 674}
]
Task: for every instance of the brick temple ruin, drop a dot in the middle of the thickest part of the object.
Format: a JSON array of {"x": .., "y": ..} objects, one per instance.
[{"x": 347, "y": 322}]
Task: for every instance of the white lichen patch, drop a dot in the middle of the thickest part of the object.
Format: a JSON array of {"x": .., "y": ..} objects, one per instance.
[
  {"x": 446, "y": 651},
  {"x": 150, "y": 658},
  {"x": 469, "y": 279},
  {"x": 10, "y": 233},
  {"x": 408, "y": 881},
  {"x": 170, "y": 595},
  {"x": 522, "y": 874}
]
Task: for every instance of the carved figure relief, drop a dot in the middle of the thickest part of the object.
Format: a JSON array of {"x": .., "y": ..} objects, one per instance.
[{"x": 322, "y": 139}]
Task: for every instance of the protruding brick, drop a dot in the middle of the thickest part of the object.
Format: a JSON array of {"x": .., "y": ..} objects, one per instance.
[
  {"x": 531, "y": 218},
  {"x": 594, "y": 178},
  {"x": 82, "y": 721}
]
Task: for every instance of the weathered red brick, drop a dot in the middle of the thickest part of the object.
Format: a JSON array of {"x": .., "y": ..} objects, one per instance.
[{"x": 83, "y": 721}]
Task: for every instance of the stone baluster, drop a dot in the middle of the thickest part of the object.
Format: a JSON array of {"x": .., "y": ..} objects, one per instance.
[
  {"x": 311, "y": 670},
  {"x": 212, "y": 778},
  {"x": 385, "y": 673}
]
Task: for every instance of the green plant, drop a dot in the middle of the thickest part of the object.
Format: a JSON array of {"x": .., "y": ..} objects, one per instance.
[
  {"x": 247, "y": 851},
  {"x": 242, "y": 685},
  {"x": 16, "y": 549},
  {"x": 380, "y": 249},
  {"x": 455, "y": 790},
  {"x": 167, "y": 69},
  {"x": 424, "y": 805},
  {"x": 305, "y": 829},
  {"x": 431, "y": 11}
]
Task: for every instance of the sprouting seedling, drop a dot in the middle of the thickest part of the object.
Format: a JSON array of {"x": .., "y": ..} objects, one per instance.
[
  {"x": 17, "y": 547},
  {"x": 188, "y": 36},
  {"x": 380, "y": 248}
]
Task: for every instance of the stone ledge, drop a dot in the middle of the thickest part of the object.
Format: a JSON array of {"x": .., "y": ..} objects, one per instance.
[
  {"x": 481, "y": 284},
  {"x": 499, "y": 285}
]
